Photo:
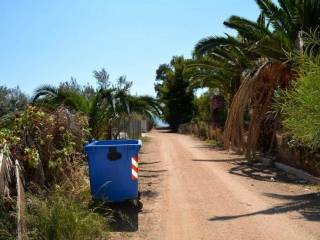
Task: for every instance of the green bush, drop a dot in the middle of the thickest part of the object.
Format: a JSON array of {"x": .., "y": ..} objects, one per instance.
[
  {"x": 210, "y": 108},
  {"x": 300, "y": 106},
  {"x": 58, "y": 218},
  {"x": 174, "y": 92},
  {"x": 202, "y": 107}
]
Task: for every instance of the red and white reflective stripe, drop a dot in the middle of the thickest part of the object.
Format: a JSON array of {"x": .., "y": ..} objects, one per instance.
[{"x": 134, "y": 167}]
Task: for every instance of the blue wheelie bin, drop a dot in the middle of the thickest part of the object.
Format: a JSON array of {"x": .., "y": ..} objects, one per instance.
[{"x": 113, "y": 169}]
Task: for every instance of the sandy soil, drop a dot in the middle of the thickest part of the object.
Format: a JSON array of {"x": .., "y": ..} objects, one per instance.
[{"x": 192, "y": 191}]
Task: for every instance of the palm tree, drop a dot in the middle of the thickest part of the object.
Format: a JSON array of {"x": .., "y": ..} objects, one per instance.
[
  {"x": 105, "y": 106},
  {"x": 266, "y": 44},
  {"x": 144, "y": 105},
  {"x": 172, "y": 88},
  {"x": 273, "y": 41},
  {"x": 219, "y": 62}
]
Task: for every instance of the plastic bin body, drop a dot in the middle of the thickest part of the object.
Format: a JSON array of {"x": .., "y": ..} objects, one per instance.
[{"x": 110, "y": 169}]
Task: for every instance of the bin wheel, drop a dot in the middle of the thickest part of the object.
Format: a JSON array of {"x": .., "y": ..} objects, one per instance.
[{"x": 138, "y": 205}]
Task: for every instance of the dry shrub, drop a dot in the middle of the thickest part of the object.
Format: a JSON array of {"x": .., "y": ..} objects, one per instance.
[
  {"x": 202, "y": 130},
  {"x": 216, "y": 133},
  {"x": 48, "y": 145},
  {"x": 255, "y": 93}
]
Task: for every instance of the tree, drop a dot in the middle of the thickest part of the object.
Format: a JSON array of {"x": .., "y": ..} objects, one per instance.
[
  {"x": 11, "y": 100},
  {"x": 173, "y": 90},
  {"x": 104, "y": 106},
  {"x": 273, "y": 41},
  {"x": 266, "y": 43},
  {"x": 219, "y": 63}
]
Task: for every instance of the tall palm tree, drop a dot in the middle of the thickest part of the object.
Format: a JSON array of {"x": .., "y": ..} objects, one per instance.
[
  {"x": 172, "y": 88},
  {"x": 267, "y": 43}
]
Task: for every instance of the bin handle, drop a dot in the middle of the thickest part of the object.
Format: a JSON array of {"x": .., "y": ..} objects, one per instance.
[{"x": 113, "y": 154}]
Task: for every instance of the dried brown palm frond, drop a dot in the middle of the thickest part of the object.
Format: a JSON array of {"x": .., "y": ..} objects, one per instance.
[
  {"x": 6, "y": 171},
  {"x": 255, "y": 92},
  {"x": 234, "y": 127}
]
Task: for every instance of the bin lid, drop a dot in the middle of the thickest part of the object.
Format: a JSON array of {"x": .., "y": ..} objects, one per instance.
[{"x": 112, "y": 143}]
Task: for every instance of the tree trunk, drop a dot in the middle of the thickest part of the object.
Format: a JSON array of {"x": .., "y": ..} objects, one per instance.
[{"x": 109, "y": 132}]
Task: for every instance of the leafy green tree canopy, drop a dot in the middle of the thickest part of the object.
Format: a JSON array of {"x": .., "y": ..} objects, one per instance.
[{"x": 174, "y": 92}]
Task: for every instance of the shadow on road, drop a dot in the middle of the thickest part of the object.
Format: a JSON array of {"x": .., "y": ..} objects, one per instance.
[
  {"x": 260, "y": 172},
  {"x": 209, "y": 147},
  {"x": 124, "y": 217},
  {"x": 148, "y": 163},
  {"x": 233, "y": 160},
  {"x": 149, "y": 176},
  {"x": 308, "y": 205},
  {"x": 153, "y": 171},
  {"x": 241, "y": 167},
  {"x": 165, "y": 130},
  {"x": 149, "y": 194}
]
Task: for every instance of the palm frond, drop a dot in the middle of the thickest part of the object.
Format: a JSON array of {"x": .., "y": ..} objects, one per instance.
[{"x": 44, "y": 91}]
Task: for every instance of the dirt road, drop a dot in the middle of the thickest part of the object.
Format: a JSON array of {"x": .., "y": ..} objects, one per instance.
[{"x": 192, "y": 191}]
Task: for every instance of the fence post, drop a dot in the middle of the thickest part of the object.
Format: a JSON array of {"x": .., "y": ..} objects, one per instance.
[
  {"x": 2, "y": 178},
  {"x": 21, "y": 225}
]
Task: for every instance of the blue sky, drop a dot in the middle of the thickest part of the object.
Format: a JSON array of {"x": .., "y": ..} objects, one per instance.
[{"x": 45, "y": 41}]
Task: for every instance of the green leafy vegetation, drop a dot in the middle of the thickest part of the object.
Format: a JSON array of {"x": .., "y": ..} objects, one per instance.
[
  {"x": 271, "y": 66},
  {"x": 172, "y": 88},
  {"x": 210, "y": 109},
  {"x": 202, "y": 108},
  {"x": 300, "y": 106},
  {"x": 45, "y": 138}
]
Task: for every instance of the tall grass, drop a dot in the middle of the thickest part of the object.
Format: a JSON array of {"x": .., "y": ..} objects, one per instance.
[{"x": 58, "y": 218}]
